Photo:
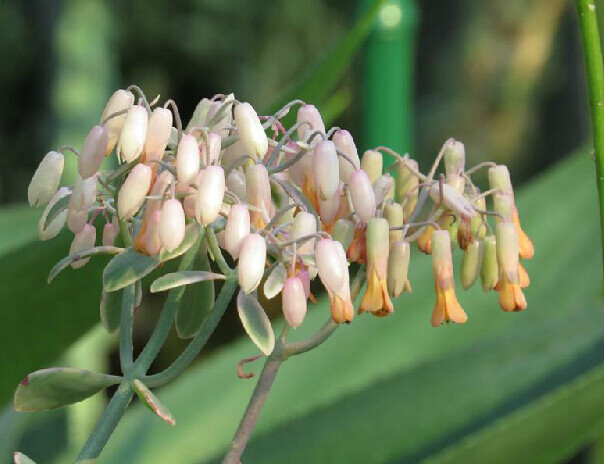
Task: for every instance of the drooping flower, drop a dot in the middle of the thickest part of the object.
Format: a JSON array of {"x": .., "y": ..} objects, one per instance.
[
  {"x": 398, "y": 268},
  {"x": 314, "y": 123},
  {"x": 258, "y": 193},
  {"x": 46, "y": 232},
  {"x": 134, "y": 132},
  {"x": 489, "y": 272},
  {"x": 187, "y": 159},
  {"x": 406, "y": 186},
  {"x": 250, "y": 131},
  {"x": 326, "y": 169},
  {"x": 121, "y": 100},
  {"x": 93, "y": 152},
  {"x": 237, "y": 228},
  {"x": 252, "y": 256},
  {"x": 210, "y": 194},
  {"x": 372, "y": 163},
  {"x": 345, "y": 143},
  {"x": 331, "y": 263},
  {"x": 82, "y": 241},
  {"x": 158, "y": 134},
  {"x": 511, "y": 297},
  {"x": 294, "y": 301},
  {"x": 471, "y": 263},
  {"x": 46, "y": 179},
  {"x": 134, "y": 190},
  {"x": 362, "y": 195},
  {"x": 172, "y": 225}
]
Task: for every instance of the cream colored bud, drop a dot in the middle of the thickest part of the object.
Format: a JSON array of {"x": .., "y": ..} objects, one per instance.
[
  {"x": 362, "y": 195},
  {"x": 110, "y": 232},
  {"x": 250, "y": 131},
  {"x": 454, "y": 158},
  {"x": 499, "y": 178},
  {"x": 132, "y": 138},
  {"x": 326, "y": 169},
  {"x": 82, "y": 241},
  {"x": 76, "y": 219},
  {"x": 383, "y": 188},
  {"x": 471, "y": 263},
  {"x": 489, "y": 272},
  {"x": 398, "y": 268},
  {"x": 507, "y": 250},
  {"x": 235, "y": 183},
  {"x": 258, "y": 193},
  {"x": 121, "y": 100},
  {"x": 172, "y": 225},
  {"x": 452, "y": 199},
  {"x": 93, "y": 152},
  {"x": 46, "y": 179},
  {"x": 58, "y": 222},
  {"x": 345, "y": 143},
  {"x": 134, "y": 190},
  {"x": 343, "y": 232},
  {"x": 393, "y": 213},
  {"x": 237, "y": 228},
  {"x": 252, "y": 256},
  {"x": 158, "y": 134},
  {"x": 160, "y": 187},
  {"x": 310, "y": 115},
  {"x": 406, "y": 186},
  {"x": 328, "y": 209},
  {"x": 371, "y": 163},
  {"x": 187, "y": 159},
  {"x": 211, "y": 149},
  {"x": 294, "y": 301},
  {"x": 328, "y": 259},
  {"x": 210, "y": 194},
  {"x": 304, "y": 224},
  {"x": 152, "y": 239}
]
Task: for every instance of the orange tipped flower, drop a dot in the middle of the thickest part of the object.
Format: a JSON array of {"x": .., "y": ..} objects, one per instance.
[
  {"x": 511, "y": 297},
  {"x": 447, "y": 308},
  {"x": 333, "y": 272},
  {"x": 376, "y": 299},
  {"x": 525, "y": 246},
  {"x": 424, "y": 242}
]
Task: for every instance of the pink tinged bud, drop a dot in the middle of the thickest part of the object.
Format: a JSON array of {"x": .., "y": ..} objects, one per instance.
[
  {"x": 398, "y": 268},
  {"x": 46, "y": 179},
  {"x": 110, "y": 232},
  {"x": 294, "y": 301},
  {"x": 326, "y": 169},
  {"x": 210, "y": 194},
  {"x": 160, "y": 187},
  {"x": 58, "y": 222},
  {"x": 383, "y": 187},
  {"x": 304, "y": 224},
  {"x": 258, "y": 193},
  {"x": 93, "y": 152},
  {"x": 507, "y": 251},
  {"x": 132, "y": 138},
  {"x": 119, "y": 101},
  {"x": 499, "y": 178},
  {"x": 134, "y": 190},
  {"x": 172, "y": 225},
  {"x": 305, "y": 279},
  {"x": 343, "y": 232},
  {"x": 393, "y": 213},
  {"x": 187, "y": 159},
  {"x": 158, "y": 134},
  {"x": 489, "y": 273},
  {"x": 152, "y": 239},
  {"x": 211, "y": 149},
  {"x": 454, "y": 158},
  {"x": 76, "y": 220},
  {"x": 235, "y": 183},
  {"x": 84, "y": 194},
  {"x": 250, "y": 131},
  {"x": 237, "y": 228},
  {"x": 372, "y": 164},
  {"x": 309, "y": 114},
  {"x": 345, "y": 143},
  {"x": 83, "y": 241},
  {"x": 252, "y": 256},
  {"x": 328, "y": 259},
  {"x": 452, "y": 199},
  {"x": 362, "y": 195},
  {"x": 328, "y": 209}
]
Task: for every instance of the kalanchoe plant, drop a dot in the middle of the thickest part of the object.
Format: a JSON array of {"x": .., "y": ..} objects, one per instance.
[{"x": 288, "y": 206}]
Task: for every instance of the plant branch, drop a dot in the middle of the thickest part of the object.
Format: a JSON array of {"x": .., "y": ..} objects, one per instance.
[{"x": 126, "y": 325}]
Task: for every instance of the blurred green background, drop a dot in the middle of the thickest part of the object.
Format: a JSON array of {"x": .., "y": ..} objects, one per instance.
[{"x": 506, "y": 78}]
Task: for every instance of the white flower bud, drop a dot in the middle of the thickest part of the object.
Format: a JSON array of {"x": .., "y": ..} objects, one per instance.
[
  {"x": 93, "y": 152},
  {"x": 187, "y": 159},
  {"x": 83, "y": 241},
  {"x": 210, "y": 194},
  {"x": 362, "y": 195},
  {"x": 326, "y": 169},
  {"x": 250, "y": 131},
  {"x": 134, "y": 190},
  {"x": 371, "y": 163},
  {"x": 172, "y": 225},
  {"x": 110, "y": 232},
  {"x": 328, "y": 209},
  {"x": 211, "y": 149},
  {"x": 235, "y": 183},
  {"x": 121, "y": 100},
  {"x": 345, "y": 143},
  {"x": 452, "y": 199},
  {"x": 294, "y": 301},
  {"x": 304, "y": 224},
  {"x": 252, "y": 256},
  {"x": 237, "y": 228},
  {"x": 158, "y": 134},
  {"x": 328, "y": 259},
  {"x": 76, "y": 219},
  {"x": 310, "y": 115},
  {"x": 152, "y": 240},
  {"x": 46, "y": 179},
  {"x": 58, "y": 222},
  {"x": 133, "y": 135}
]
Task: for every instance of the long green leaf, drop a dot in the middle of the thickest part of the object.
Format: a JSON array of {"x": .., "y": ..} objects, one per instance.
[{"x": 126, "y": 268}]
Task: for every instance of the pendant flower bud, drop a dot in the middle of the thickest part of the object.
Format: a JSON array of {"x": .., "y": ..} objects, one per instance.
[
  {"x": 503, "y": 205},
  {"x": 326, "y": 169},
  {"x": 158, "y": 134},
  {"x": 76, "y": 219},
  {"x": 258, "y": 193},
  {"x": 134, "y": 190},
  {"x": 406, "y": 186},
  {"x": 328, "y": 209},
  {"x": 304, "y": 224},
  {"x": 511, "y": 297},
  {"x": 211, "y": 149},
  {"x": 132, "y": 138},
  {"x": 372, "y": 163},
  {"x": 237, "y": 228},
  {"x": 172, "y": 225},
  {"x": 454, "y": 158},
  {"x": 46, "y": 179},
  {"x": 210, "y": 194},
  {"x": 362, "y": 195},
  {"x": 252, "y": 256},
  {"x": 152, "y": 239},
  {"x": 294, "y": 301},
  {"x": 383, "y": 188},
  {"x": 160, "y": 187},
  {"x": 309, "y": 114},
  {"x": 187, "y": 159},
  {"x": 471, "y": 264},
  {"x": 93, "y": 152},
  {"x": 489, "y": 272},
  {"x": 120, "y": 100},
  {"x": 331, "y": 263},
  {"x": 343, "y": 232},
  {"x": 83, "y": 195},
  {"x": 235, "y": 183},
  {"x": 447, "y": 308},
  {"x": 452, "y": 200},
  {"x": 393, "y": 213},
  {"x": 110, "y": 232},
  {"x": 214, "y": 108},
  {"x": 345, "y": 143},
  {"x": 82, "y": 241},
  {"x": 376, "y": 299},
  {"x": 398, "y": 268},
  {"x": 58, "y": 222},
  {"x": 191, "y": 199},
  {"x": 478, "y": 228},
  {"x": 250, "y": 131}
]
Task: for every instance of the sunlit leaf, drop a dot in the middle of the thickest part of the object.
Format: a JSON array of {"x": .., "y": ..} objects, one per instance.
[
  {"x": 256, "y": 322},
  {"x": 180, "y": 278}
]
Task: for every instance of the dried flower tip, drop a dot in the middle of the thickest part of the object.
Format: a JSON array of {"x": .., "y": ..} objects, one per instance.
[
  {"x": 372, "y": 163},
  {"x": 376, "y": 299},
  {"x": 252, "y": 256},
  {"x": 294, "y": 301},
  {"x": 120, "y": 100},
  {"x": 250, "y": 131},
  {"x": 309, "y": 114},
  {"x": 58, "y": 222},
  {"x": 406, "y": 186},
  {"x": 46, "y": 179},
  {"x": 93, "y": 152},
  {"x": 393, "y": 213},
  {"x": 187, "y": 159},
  {"x": 210, "y": 194},
  {"x": 172, "y": 225},
  {"x": 132, "y": 138},
  {"x": 82, "y": 241},
  {"x": 345, "y": 143},
  {"x": 343, "y": 232},
  {"x": 258, "y": 193},
  {"x": 237, "y": 228},
  {"x": 452, "y": 200},
  {"x": 471, "y": 264},
  {"x": 489, "y": 272},
  {"x": 362, "y": 195},
  {"x": 134, "y": 190},
  {"x": 326, "y": 169},
  {"x": 398, "y": 268},
  {"x": 158, "y": 134}
]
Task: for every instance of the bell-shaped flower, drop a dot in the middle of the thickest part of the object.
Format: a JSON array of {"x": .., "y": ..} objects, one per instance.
[
  {"x": 46, "y": 179},
  {"x": 187, "y": 159},
  {"x": 447, "y": 308},
  {"x": 252, "y": 256},
  {"x": 132, "y": 138},
  {"x": 55, "y": 226},
  {"x": 393, "y": 213},
  {"x": 345, "y": 143},
  {"x": 237, "y": 228},
  {"x": 310, "y": 115},
  {"x": 258, "y": 193},
  {"x": 511, "y": 297},
  {"x": 158, "y": 134},
  {"x": 362, "y": 195},
  {"x": 84, "y": 240},
  {"x": 121, "y": 100},
  {"x": 398, "y": 268},
  {"x": 93, "y": 152},
  {"x": 294, "y": 301},
  {"x": 172, "y": 225},
  {"x": 376, "y": 298},
  {"x": 134, "y": 190},
  {"x": 210, "y": 149},
  {"x": 326, "y": 169},
  {"x": 372, "y": 163},
  {"x": 489, "y": 271},
  {"x": 406, "y": 186},
  {"x": 250, "y": 131},
  {"x": 110, "y": 231},
  {"x": 210, "y": 194},
  {"x": 331, "y": 263},
  {"x": 304, "y": 224}
]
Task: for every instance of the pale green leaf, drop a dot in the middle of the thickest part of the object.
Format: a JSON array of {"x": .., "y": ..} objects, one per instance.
[
  {"x": 126, "y": 268},
  {"x": 256, "y": 322}
]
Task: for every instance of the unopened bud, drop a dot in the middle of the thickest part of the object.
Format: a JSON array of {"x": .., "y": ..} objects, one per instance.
[
  {"x": 393, "y": 213},
  {"x": 134, "y": 190},
  {"x": 200, "y": 114},
  {"x": 132, "y": 138},
  {"x": 235, "y": 183},
  {"x": 160, "y": 187},
  {"x": 398, "y": 268},
  {"x": 326, "y": 169},
  {"x": 158, "y": 134},
  {"x": 406, "y": 186},
  {"x": 383, "y": 187},
  {"x": 191, "y": 198},
  {"x": 152, "y": 239},
  {"x": 499, "y": 178},
  {"x": 58, "y": 222},
  {"x": 187, "y": 159},
  {"x": 294, "y": 301},
  {"x": 304, "y": 224},
  {"x": 237, "y": 228},
  {"x": 83, "y": 195},
  {"x": 211, "y": 149},
  {"x": 345, "y": 143},
  {"x": 252, "y": 256},
  {"x": 46, "y": 179},
  {"x": 343, "y": 232},
  {"x": 362, "y": 195},
  {"x": 110, "y": 232},
  {"x": 489, "y": 272},
  {"x": 452, "y": 200},
  {"x": 372, "y": 163},
  {"x": 478, "y": 228},
  {"x": 93, "y": 152},
  {"x": 454, "y": 158},
  {"x": 503, "y": 205},
  {"x": 250, "y": 131},
  {"x": 172, "y": 225},
  {"x": 120, "y": 100},
  {"x": 82, "y": 241},
  {"x": 328, "y": 209},
  {"x": 309, "y": 114},
  {"x": 329, "y": 264},
  {"x": 471, "y": 263},
  {"x": 76, "y": 219},
  {"x": 210, "y": 194},
  {"x": 258, "y": 194}
]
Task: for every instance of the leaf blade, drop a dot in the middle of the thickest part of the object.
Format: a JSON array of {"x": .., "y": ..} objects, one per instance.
[
  {"x": 152, "y": 402},
  {"x": 126, "y": 268},
  {"x": 255, "y": 322}
]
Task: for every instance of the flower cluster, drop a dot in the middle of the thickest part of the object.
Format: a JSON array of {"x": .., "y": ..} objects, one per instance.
[{"x": 289, "y": 204}]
